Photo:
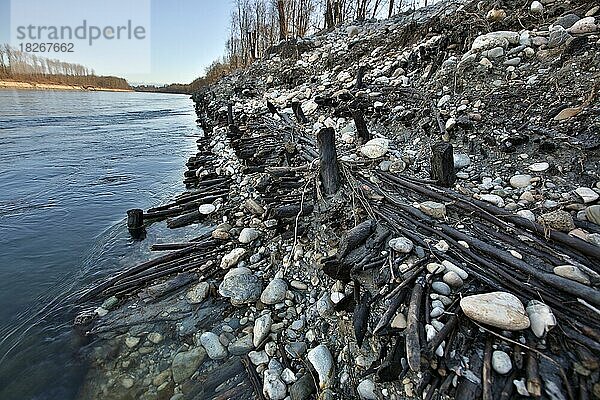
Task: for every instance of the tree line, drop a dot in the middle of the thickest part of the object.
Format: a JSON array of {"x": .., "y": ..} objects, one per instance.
[
  {"x": 27, "y": 67},
  {"x": 257, "y": 25}
]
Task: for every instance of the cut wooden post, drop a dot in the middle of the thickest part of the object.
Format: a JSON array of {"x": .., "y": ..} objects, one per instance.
[
  {"x": 135, "y": 224},
  {"x": 361, "y": 127},
  {"x": 442, "y": 164},
  {"x": 230, "y": 114},
  {"x": 330, "y": 172},
  {"x": 297, "y": 108},
  {"x": 359, "y": 77}
]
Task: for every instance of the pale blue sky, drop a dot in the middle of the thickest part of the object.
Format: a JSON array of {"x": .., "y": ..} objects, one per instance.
[{"x": 186, "y": 36}]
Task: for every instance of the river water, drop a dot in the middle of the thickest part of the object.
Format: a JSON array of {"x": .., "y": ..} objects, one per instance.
[{"x": 71, "y": 165}]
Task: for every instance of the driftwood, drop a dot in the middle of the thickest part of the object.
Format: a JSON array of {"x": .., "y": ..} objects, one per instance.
[{"x": 413, "y": 345}]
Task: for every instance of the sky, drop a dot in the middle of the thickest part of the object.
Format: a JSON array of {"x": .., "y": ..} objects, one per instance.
[{"x": 184, "y": 36}]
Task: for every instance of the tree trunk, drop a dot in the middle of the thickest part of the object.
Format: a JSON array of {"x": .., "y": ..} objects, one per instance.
[{"x": 282, "y": 23}]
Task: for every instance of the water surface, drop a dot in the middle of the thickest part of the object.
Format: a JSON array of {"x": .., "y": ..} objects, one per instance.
[{"x": 71, "y": 165}]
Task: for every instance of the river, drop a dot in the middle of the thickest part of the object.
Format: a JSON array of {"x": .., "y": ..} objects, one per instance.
[{"x": 71, "y": 165}]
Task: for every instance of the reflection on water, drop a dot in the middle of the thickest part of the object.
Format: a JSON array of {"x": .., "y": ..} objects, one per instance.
[{"x": 71, "y": 164}]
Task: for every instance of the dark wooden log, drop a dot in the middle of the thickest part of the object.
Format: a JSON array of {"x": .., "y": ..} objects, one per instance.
[
  {"x": 297, "y": 108},
  {"x": 486, "y": 378},
  {"x": 272, "y": 108},
  {"x": 509, "y": 388},
  {"x": 330, "y": 173},
  {"x": 362, "y": 132},
  {"x": 290, "y": 211},
  {"x": 442, "y": 334},
  {"x": 466, "y": 389},
  {"x": 359, "y": 77},
  {"x": 413, "y": 342},
  {"x": 361, "y": 317},
  {"x": 135, "y": 224},
  {"x": 442, "y": 164},
  {"x": 170, "y": 246},
  {"x": 355, "y": 237}
]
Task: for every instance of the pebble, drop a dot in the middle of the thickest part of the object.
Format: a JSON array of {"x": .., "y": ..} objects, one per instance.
[
  {"x": 566, "y": 21},
  {"x": 132, "y": 341},
  {"x": 258, "y": 357},
  {"x": 241, "y": 346},
  {"x": 197, "y": 293},
  {"x": 592, "y": 214},
  {"x": 322, "y": 361},
  {"x": 274, "y": 292},
  {"x": 451, "y": 267},
  {"x": 213, "y": 346},
  {"x": 248, "y": 235},
  {"x": 539, "y": 167},
  {"x": 441, "y": 288},
  {"x": 492, "y": 198},
  {"x": 501, "y": 362},
  {"x": 206, "y": 209},
  {"x": 366, "y": 390},
  {"x": 127, "y": 382},
  {"x": 573, "y": 273},
  {"x": 433, "y": 209},
  {"x": 232, "y": 258},
  {"x": 262, "y": 328},
  {"x": 527, "y": 214},
  {"x": 303, "y": 388},
  {"x": 452, "y": 279},
  {"x": 536, "y": 8},
  {"x": 155, "y": 337},
  {"x": 436, "y": 312},
  {"x": 186, "y": 363},
  {"x": 541, "y": 318},
  {"x": 584, "y": 25},
  {"x": 375, "y": 148},
  {"x": 401, "y": 245},
  {"x": 399, "y": 321},
  {"x": 462, "y": 160},
  {"x": 499, "y": 309},
  {"x": 324, "y": 305},
  {"x": 435, "y": 268},
  {"x": 520, "y": 181},
  {"x": 587, "y": 195},
  {"x": 513, "y": 61}
]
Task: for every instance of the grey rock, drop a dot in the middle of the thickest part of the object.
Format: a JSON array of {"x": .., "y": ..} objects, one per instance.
[
  {"x": 322, "y": 361},
  {"x": 567, "y": 21},
  {"x": 453, "y": 279},
  {"x": 303, "y": 388},
  {"x": 366, "y": 390},
  {"x": 197, "y": 293},
  {"x": 186, "y": 363},
  {"x": 401, "y": 245},
  {"x": 558, "y": 37},
  {"x": 520, "y": 181},
  {"x": 441, "y": 288},
  {"x": 241, "y": 289},
  {"x": 241, "y": 346},
  {"x": 213, "y": 346},
  {"x": 573, "y": 273},
  {"x": 541, "y": 318},
  {"x": 587, "y": 195},
  {"x": 501, "y": 362},
  {"x": 433, "y": 209},
  {"x": 592, "y": 214},
  {"x": 262, "y": 328},
  {"x": 248, "y": 235},
  {"x": 274, "y": 292},
  {"x": 273, "y": 386}
]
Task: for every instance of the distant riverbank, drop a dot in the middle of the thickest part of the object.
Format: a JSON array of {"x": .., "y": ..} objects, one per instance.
[{"x": 54, "y": 86}]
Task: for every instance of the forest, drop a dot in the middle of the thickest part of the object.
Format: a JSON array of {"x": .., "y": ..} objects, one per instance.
[{"x": 16, "y": 65}]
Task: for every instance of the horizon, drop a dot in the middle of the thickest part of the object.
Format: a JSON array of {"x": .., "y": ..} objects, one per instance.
[{"x": 186, "y": 37}]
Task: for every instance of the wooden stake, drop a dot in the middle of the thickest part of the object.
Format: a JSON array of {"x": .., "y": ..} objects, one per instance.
[
  {"x": 359, "y": 77},
  {"x": 442, "y": 164},
  {"x": 330, "y": 172},
  {"x": 297, "y": 108},
  {"x": 413, "y": 345},
  {"x": 135, "y": 224},
  {"x": 361, "y": 127}
]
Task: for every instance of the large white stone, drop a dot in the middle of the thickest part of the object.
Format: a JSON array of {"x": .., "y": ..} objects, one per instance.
[
  {"x": 433, "y": 209},
  {"x": 520, "y": 181},
  {"x": 248, "y": 235},
  {"x": 495, "y": 39},
  {"x": 499, "y": 309},
  {"x": 273, "y": 386},
  {"x": 366, "y": 390},
  {"x": 375, "y": 148},
  {"x": 322, "y": 361}
]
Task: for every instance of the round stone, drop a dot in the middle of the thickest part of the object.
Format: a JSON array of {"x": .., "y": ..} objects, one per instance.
[
  {"x": 499, "y": 309},
  {"x": 501, "y": 362},
  {"x": 206, "y": 209}
]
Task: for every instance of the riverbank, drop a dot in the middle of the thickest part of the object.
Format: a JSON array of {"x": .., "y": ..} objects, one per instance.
[
  {"x": 53, "y": 86},
  {"x": 398, "y": 209}
]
